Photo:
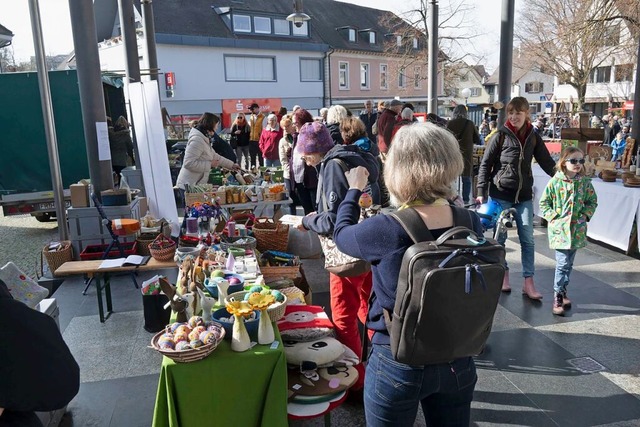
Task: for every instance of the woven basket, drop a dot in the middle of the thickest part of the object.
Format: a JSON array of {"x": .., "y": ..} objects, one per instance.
[
  {"x": 56, "y": 258},
  {"x": 144, "y": 239},
  {"x": 162, "y": 248},
  {"x": 271, "y": 235},
  {"x": 191, "y": 355},
  {"x": 275, "y": 312},
  {"x": 286, "y": 271},
  {"x": 233, "y": 242}
]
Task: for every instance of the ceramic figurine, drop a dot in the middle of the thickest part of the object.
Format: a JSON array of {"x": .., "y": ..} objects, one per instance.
[
  {"x": 265, "y": 328},
  {"x": 223, "y": 287},
  {"x": 207, "y": 303},
  {"x": 240, "y": 340},
  {"x": 178, "y": 305},
  {"x": 189, "y": 298}
]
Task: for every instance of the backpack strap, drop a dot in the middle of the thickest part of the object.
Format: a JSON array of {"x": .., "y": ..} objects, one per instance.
[
  {"x": 325, "y": 205},
  {"x": 462, "y": 217},
  {"x": 413, "y": 224}
]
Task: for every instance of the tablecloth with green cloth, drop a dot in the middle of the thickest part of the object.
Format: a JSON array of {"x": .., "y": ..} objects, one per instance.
[{"x": 225, "y": 388}]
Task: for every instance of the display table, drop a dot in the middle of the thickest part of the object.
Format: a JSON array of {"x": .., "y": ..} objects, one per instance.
[
  {"x": 618, "y": 209},
  {"x": 226, "y": 389},
  {"x": 257, "y": 207},
  {"x": 102, "y": 276}
]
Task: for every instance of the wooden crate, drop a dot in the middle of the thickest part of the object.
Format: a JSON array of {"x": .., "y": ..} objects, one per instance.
[{"x": 287, "y": 272}]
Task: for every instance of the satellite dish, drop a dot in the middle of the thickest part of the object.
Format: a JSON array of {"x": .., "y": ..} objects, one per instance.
[{"x": 498, "y": 105}]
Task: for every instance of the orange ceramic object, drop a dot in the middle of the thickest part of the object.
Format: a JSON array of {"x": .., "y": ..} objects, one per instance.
[{"x": 125, "y": 226}]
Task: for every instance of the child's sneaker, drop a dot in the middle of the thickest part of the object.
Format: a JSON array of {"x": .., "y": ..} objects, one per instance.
[
  {"x": 557, "y": 309},
  {"x": 566, "y": 302}
]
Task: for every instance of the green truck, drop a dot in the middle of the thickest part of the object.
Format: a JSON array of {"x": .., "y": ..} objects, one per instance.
[{"x": 25, "y": 177}]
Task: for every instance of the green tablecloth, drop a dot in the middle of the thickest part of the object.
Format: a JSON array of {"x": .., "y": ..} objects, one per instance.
[{"x": 226, "y": 388}]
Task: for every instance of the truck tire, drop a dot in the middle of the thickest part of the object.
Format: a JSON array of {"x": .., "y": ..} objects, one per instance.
[{"x": 43, "y": 217}]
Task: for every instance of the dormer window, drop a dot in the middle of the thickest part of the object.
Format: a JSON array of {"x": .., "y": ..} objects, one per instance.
[
  {"x": 352, "y": 35},
  {"x": 262, "y": 25},
  {"x": 241, "y": 23},
  {"x": 372, "y": 37}
]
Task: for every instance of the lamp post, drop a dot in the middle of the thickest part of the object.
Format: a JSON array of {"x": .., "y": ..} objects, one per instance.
[
  {"x": 466, "y": 93},
  {"x": 298, "y": 17}
]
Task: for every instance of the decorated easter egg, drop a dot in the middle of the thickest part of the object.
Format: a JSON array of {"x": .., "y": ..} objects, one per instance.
[
  {"x": 196, "y": 343},
  {"x": 265, "y": 292},
  {"x": 167, "y": 335},
  {"x": 217, "y": 273},
  {"x": 183, "y": 345},
  {"x": 182, "y": 329},
  {"x": 255, "y": 289},
  {"x": 208, "y": 337},
  {"x": 247, "y": 295},
  {"x": 365, "y": 200},
  {"x": 279, "y": 296},
  {"x": 166, "y": 343},
  {"x": 180, "y": 337},
  {"x": 172, "y": 327},
  {"x": 196, "y": 321},
  {"x": 195, "y": 333},
  {"x": 234, "y": 281}
]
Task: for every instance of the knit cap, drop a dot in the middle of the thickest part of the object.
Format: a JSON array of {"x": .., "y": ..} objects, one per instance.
[{"x": 314, "y": 137}]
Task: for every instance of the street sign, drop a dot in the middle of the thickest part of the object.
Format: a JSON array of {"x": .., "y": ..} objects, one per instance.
[
  {"x": 548, "y": 105},
  {"x": 543, "y": 98},
  {"x": 548, "y": 96}
]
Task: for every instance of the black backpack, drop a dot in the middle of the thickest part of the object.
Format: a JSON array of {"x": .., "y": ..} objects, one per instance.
[{"x": 447, "y": 292}]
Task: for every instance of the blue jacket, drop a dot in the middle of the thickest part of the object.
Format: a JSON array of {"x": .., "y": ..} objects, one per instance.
[
  {"x": 382, "y": 241},
  {"x": 333, "y": 183}
]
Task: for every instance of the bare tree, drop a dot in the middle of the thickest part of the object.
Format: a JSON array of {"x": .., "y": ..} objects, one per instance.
[
  {"x": 456, "y": 35},
  {"x": 563, "y": 37}
]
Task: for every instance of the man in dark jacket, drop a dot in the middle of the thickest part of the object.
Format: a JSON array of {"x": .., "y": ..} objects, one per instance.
[
  {"x": 385, "y": 124},
  {"x": 466, "y": 133},
  {"x": 369, "y": 117},
  {"x": 37, "y": 370}
]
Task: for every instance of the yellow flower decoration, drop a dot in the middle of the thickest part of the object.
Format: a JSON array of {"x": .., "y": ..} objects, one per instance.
[
  {"x": 239, "y": 308},
  {"x": 259, "y": 301}
]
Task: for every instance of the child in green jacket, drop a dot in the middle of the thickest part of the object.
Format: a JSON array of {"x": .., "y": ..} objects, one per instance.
[{"x": 568, "y": 203}]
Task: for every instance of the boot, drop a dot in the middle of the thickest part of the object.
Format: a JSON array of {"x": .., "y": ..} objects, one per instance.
[
  {"x": 566, "y": 302},
  {"x": 557, "y": 304},
  {"x": 505, "y": 283},
  {"x": 529, "y": 289}
]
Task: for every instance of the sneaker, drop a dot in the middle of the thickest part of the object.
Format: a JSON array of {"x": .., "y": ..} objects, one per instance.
[
  {"x": 557, "y": 309},
  {"x": 566, "y": 302}
]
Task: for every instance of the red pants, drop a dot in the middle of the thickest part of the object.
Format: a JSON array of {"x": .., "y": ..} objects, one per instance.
[{"x": 349, "y": 303}]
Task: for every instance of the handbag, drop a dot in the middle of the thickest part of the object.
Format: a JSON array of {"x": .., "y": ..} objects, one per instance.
[{"x": 335, "y": 261}]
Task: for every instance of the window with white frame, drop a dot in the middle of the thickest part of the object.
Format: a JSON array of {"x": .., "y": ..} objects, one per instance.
[
  {"x": 600, "y": 75},
  {"x": 417, "y": 80},
  {"x": 534, "y": 87},
  {"x": 301, "y": 31},
  {"x": 281, "y": 27},
  {"x": 250, "y": 68},
  {"x": 352, "y": 35},
  {"x": 383, "y": 77},
  {"x": 402, "y": 79},
  {"x": 399, "y": 40},
  {"x": 310, "y": 70},
  {"x": 241, "y": 23},
  {"x": 415, "y": 42},
  {"x": 343, "y": 75},
  {"x": 261, "y": 25},
  {"x": 372, "y": 37},
  {"x": 364, "y": 75},
  {"x": 475, "y": 91}
]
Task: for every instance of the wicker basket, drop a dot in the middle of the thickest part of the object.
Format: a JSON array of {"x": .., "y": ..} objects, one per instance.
[
  {"x": 234, "y": 242},
  {"x": 144, "y": 239},
  {"x": 286, "y": 271},
  {"x": 162, "y": 248},
  {"x": 191, "y": 355},
  {"x": 275, "y": 312},
  {"x": 271, "y": 235},
  {"x": 56, "y": 258}
]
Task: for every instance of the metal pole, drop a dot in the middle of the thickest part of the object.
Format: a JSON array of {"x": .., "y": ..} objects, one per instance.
[
  {"x": 506, "y": 56},
  {"x": 150, "y": 38},
  {"x": 83, "y": 26},
  {"x": 635, "y": 124},
  {"x": 128, "y": 32},
  {"x": 432, "y": 70},
  {"x": 49, "y": 122}
]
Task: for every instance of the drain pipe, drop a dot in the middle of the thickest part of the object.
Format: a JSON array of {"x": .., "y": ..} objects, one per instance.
[{"x": 327, "y": 79}]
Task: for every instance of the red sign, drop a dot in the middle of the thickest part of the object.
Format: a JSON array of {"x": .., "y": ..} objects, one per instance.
[
  {"x": 628, "y": 105},
  {"x": 232, "y": 106},
  {"x": 170, "y": 80}
]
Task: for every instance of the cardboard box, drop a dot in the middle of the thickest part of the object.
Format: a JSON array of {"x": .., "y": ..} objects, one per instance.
[
  {"x": 144, "y": 205},
  {"x": 79, "y": 195}
]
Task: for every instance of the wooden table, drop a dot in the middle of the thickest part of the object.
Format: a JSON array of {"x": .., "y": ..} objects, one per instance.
[{"x": 102, "y": 276}]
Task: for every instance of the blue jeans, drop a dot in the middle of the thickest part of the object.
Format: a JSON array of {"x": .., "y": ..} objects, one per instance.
[
  {"x": 272, "y": 163},
  {"x": 466, "y": 188},
  {"x": 564, "y": 265},
  {"x": 524, "y": 221},
  {"x": 393, "y": 390}
]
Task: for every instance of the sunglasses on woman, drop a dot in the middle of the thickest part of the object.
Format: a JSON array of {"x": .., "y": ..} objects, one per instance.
[{"x": 575, "y": 161}]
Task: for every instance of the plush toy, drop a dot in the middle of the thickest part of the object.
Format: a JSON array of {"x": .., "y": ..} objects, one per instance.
[
  {"x": 317, "y": 352},
  {"x": 304, "y": 323},
  {"x": 323, "y": 381}
]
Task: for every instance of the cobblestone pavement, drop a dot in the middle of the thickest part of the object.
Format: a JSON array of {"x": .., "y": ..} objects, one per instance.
[{"x": 22, "y": 238}]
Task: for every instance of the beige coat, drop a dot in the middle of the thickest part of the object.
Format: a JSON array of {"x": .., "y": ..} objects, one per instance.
[
  {"x": 284, "y": 146},
  {"x": 199, "y": 158}
]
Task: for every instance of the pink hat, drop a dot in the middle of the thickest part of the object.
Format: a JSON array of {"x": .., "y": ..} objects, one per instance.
[{"x": 314, "y": 137}]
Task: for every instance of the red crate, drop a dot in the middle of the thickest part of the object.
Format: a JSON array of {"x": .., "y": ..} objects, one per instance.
[{"x": 95, "y": 251}]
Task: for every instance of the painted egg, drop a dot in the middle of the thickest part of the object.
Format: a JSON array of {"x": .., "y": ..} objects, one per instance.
[
  {"x": 247, "y": 295},
  {"x": 217, "y": 273},
  {"x": 167, "y": 335},
  {"x": 172, "y": 327},
  {"x": 265, "y": 292},
  {"x": 255, "y": 289},
  {"x": 195, "y": 333},
  {"x": 183, "y": 329},
  {"x": 208, "y": 337},
  {"x": 196, "y": 343},
  {"x": 365, "y": 200},
  {"x": 234, "y": 281},
  {"x": 180, "y": 337},
  {"x": 196, "y": 321},
  {"x": 183, "y": 345},
  {"x": 279, "y": 296},
  {"x": 166, "y": 343}
]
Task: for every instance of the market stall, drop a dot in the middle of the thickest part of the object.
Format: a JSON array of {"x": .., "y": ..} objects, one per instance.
[{"x": 618, "y": 210}]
